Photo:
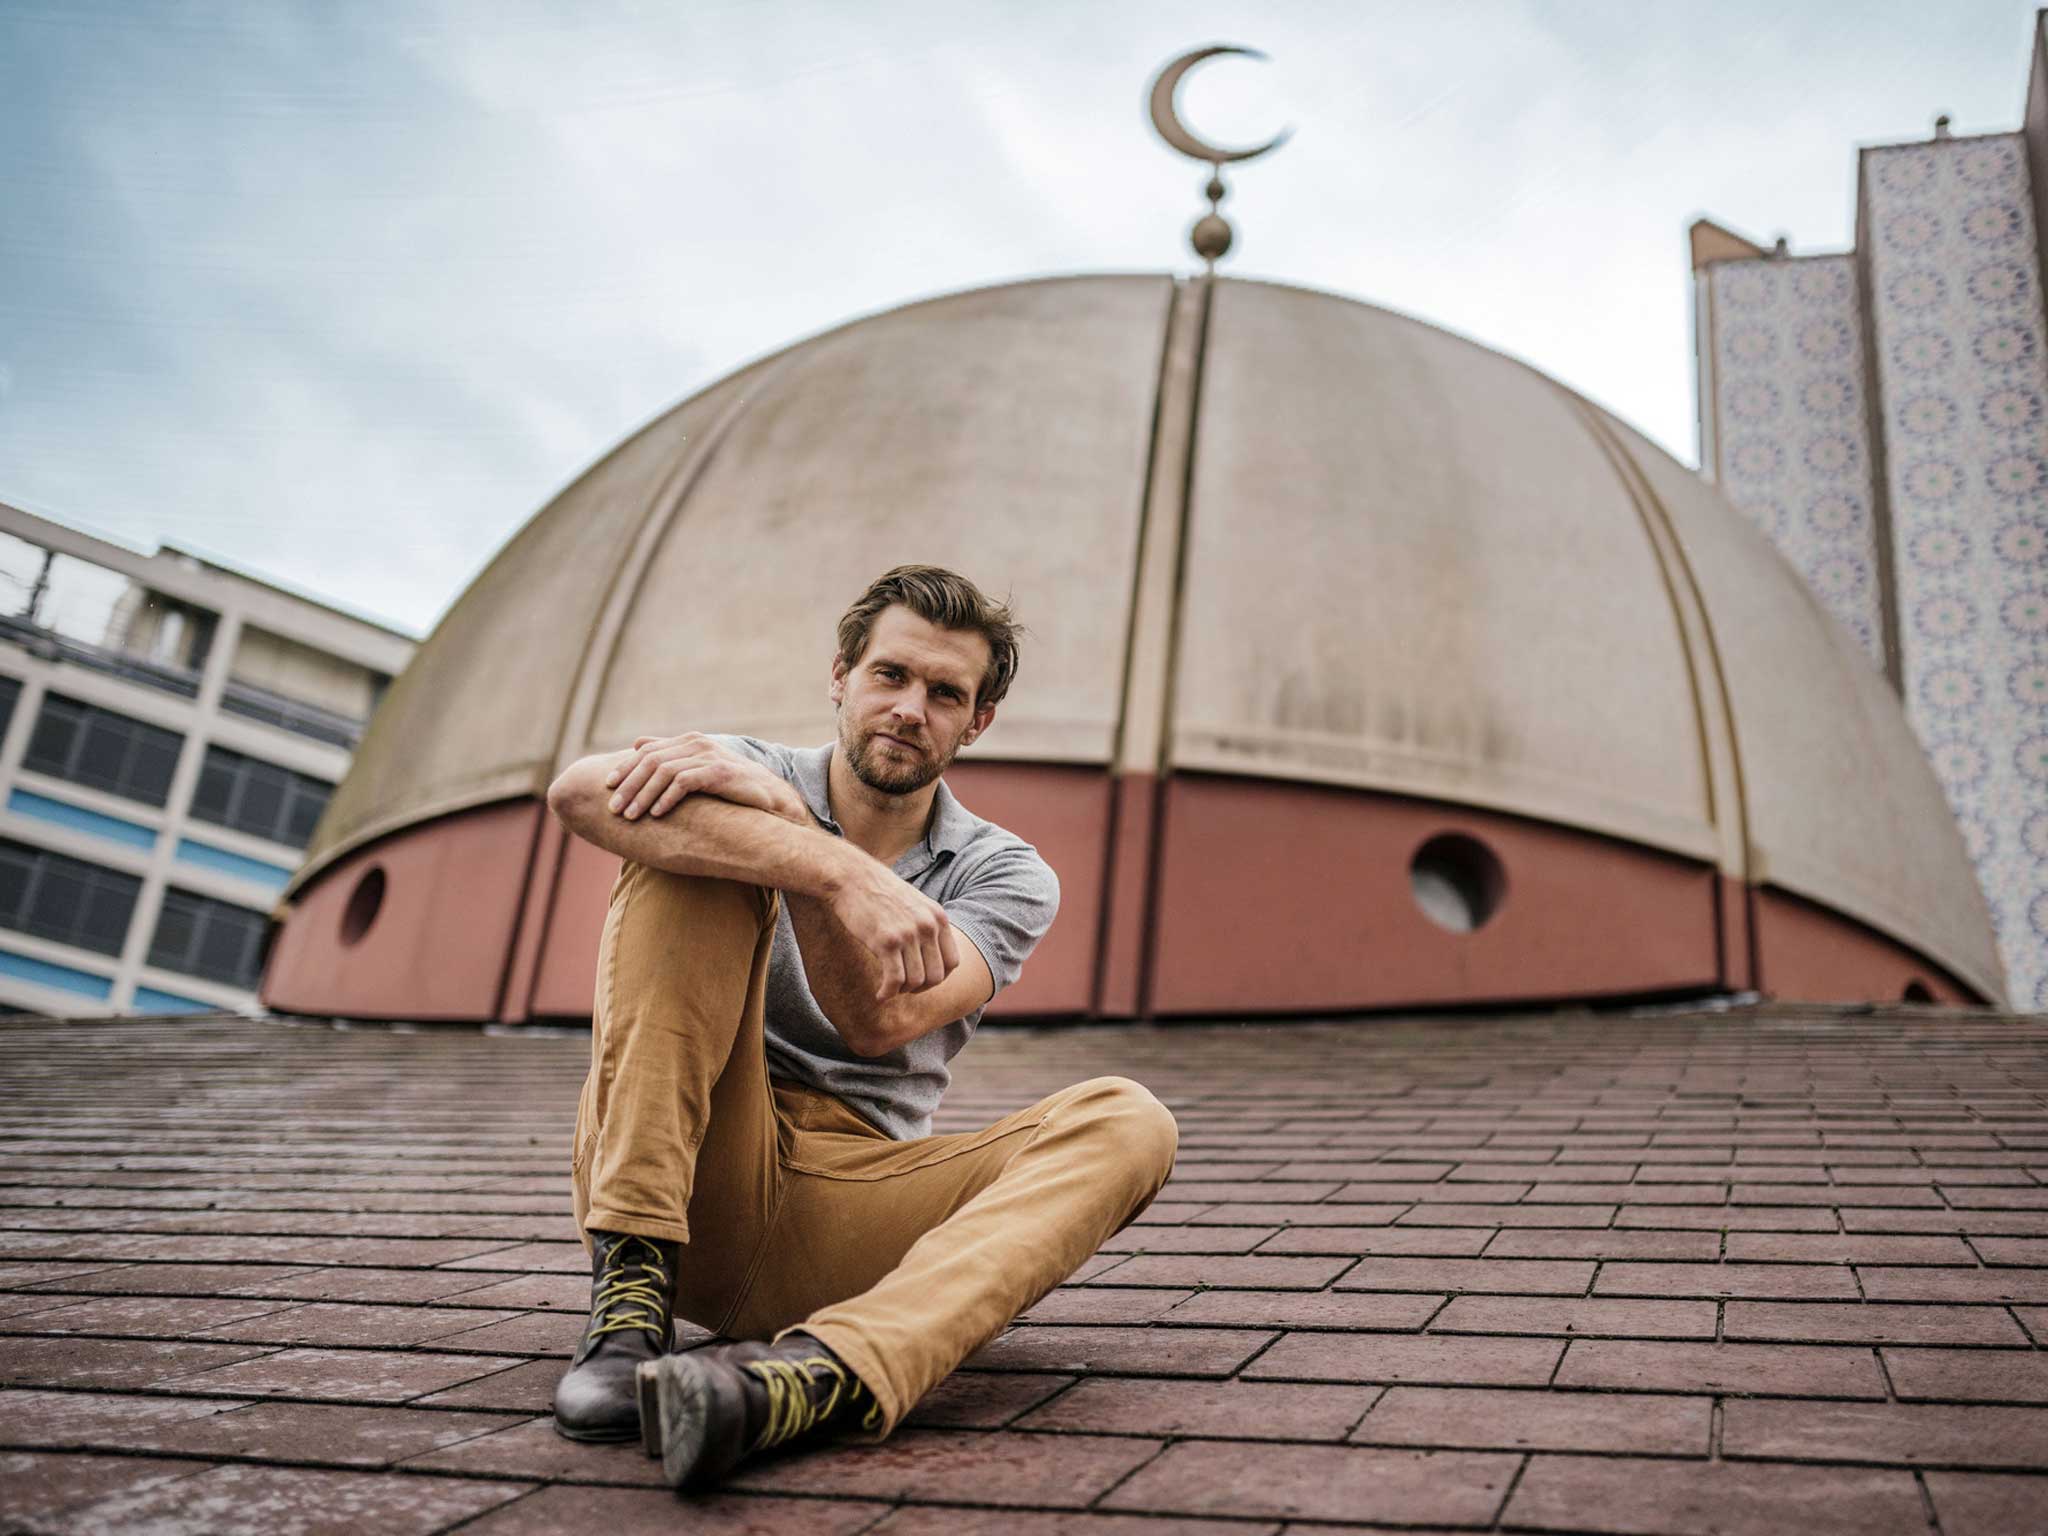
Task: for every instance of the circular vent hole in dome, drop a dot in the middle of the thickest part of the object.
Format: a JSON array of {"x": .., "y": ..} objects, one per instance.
[
  {"x": 364, "y": 902},
  {"x": 1917, "y": 991},
  {"x": 1458, "y": 881}
]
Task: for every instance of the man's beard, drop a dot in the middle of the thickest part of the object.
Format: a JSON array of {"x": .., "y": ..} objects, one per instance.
[{"x": 884, "y": 776}]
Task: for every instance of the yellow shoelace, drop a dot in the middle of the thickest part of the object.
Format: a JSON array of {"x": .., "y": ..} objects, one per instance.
[
  {"x": 791, "y": 1411},
  {"x": 636, "y": 1296}
]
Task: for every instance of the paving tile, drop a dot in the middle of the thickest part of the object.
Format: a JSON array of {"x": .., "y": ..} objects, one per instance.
[
  {"x": 1627, "y": 1496},
  {"x": 43, "y": 1489},
  {"x": 262, "y": 1501},
  {"x": 1242, "y": 1214},
  {"x": 1446, "y": 1242},
  {"x": 2035, "y": 1321},
  {"x": 58, "y": 1420},
  {"x": 1985, "y": 1504},
  {"x": 1810, "y": 1370},
  {"x": 1204, "y": 1239},
  {"x": 1846, "y": 1248},
  {"x": 1386, "y": 1357},
  {"x": 525, "y": 1293},
  {"x": 320, "y": 1433},
  {"x": 350, "y": 1324},
  {"x": 937, "y": 1520},
  {"x": 1264, "y": 1193},
  {"x": 1509, "y": 1216},
  {"x": 1318, "y": 1309},
  {"x": 984, "y": 1399},
  {"x": 1104, "y": 1304},
  {"x": 2011, "y": 1250},
  {"x": 1609, "y": 1244},
  {"x": 531, "y": 1333},
  {"x": 657, "y": 1512},
  {"x": 69, "y": 1362},
  {"x": 353, "y": 1375},
  {"x": 1728, "y": 1218},
  {"x": 1209, "y": 1352},
  {"x": 370, "y": 1285},
  {"x": 1000, "y": 1467},
  {"x": 1320, "y": 1482},
  {"x": 1909, "y": 1434},
  {"x": 1808, "y": 1282},
  {"x": 167, "y": 1279},
  {"x": 162, "y": 1317},
  {"x": 1248, "y": 1272},
  {"x": 1477, "y": 1419},
  {"x": 1966, "y": 1223},
  {"x": 1594, "y": 1317},
  {"x": 529, "y": 1258},
  {"x": 1962, "y": 1285},
  {"x": 1968, "y": 1375},
  {"x": 1869, "y": 1323},
  {"x": 531, "y": 1448},
  {"x": 1516, "y": 1276},
  {"x": 1390, "y": 1192},
  {"x": 1229, "y": 1410},
  {"x": 528, "y": 1388}
]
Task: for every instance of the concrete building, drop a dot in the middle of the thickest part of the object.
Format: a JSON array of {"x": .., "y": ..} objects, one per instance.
[
  {"x": 1882, "y": 415},
  {"x": 170, "y": 733}
]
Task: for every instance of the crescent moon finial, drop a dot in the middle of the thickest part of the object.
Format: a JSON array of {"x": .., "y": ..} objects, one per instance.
[
  {"x": 1211, "y": 234},
  {"x": 1166, "y": 111}
]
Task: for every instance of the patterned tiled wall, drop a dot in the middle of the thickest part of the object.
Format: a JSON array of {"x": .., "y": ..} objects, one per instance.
[
  {"x": 1949, "y": 248},
  {"x": 1789, "y": 430}
]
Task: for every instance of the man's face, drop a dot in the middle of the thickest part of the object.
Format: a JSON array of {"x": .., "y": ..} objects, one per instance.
[{"x": 906, "y": 708}]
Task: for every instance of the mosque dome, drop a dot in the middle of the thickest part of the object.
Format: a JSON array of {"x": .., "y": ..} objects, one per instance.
[{"x": 1367, "y": 668}]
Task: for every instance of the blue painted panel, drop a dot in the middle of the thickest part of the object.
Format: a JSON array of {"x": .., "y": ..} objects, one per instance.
[
  {"x": 242, "y": 868},
  {"x": 64, "y": 978},
  {"x": 61, "y": 813},
  {"x": 149, "y": 1000}
]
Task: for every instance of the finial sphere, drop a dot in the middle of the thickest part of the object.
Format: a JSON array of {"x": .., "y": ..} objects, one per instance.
[{"x": 1210, "y": 236}]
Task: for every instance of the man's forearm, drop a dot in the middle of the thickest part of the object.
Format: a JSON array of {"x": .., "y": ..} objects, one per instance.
[{"x": 703, "y": 836}]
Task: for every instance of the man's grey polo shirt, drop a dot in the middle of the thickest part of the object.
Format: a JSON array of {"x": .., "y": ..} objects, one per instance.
[{"x": 997, "y": 892}]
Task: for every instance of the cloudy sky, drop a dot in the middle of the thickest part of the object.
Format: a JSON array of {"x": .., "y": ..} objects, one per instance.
[{"x": 342, "y": 291}]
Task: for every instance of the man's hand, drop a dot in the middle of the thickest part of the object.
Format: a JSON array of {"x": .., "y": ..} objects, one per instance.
[
  {"x": 904, "y": 932},
  {"x": 653, "y": 777}
]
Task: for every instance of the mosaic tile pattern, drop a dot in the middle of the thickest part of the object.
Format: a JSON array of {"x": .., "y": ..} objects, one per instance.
[
  {"x": 1790, "y": 427},
  {"x": 1963, "y": 393}
]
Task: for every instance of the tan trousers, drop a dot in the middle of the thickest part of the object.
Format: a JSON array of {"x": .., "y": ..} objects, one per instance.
[{"x": 904, "y": 1257}]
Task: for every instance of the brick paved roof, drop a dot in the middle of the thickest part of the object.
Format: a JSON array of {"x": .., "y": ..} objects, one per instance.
[{"x": 1764, "y": 1271}]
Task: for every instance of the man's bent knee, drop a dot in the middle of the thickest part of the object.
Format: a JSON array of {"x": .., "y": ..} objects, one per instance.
[
  {"x": 1141, "y": 1133},
  {"x": 643, "y": 883}
]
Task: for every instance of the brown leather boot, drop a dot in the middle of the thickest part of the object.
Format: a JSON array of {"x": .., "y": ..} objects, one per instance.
[
  {"x": 706, "y": 1411},
  {"x": 632, "y": 1300}
]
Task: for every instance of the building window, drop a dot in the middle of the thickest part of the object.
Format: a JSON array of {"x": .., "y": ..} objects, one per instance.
[
  {"x": 10, "y": 694},
  {"x": 65, "y": 899},
  {"x": 248, "y": 795},
  {"x": 102, "y": 750},
  {"x": 198, "y": 936}
]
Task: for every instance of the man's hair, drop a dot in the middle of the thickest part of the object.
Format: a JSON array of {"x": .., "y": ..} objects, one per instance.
[{"x": 947, "y": 599}]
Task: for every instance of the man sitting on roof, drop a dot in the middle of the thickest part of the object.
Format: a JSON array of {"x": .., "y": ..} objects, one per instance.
[{"x": 798, "y": 944}]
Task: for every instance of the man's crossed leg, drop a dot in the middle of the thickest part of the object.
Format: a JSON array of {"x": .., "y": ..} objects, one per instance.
[{"x": 767, "y": 1211}]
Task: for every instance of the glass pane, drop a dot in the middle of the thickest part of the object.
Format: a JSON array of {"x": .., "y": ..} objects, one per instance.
[
  {"x": 224, "y": 948},
  {"x": 308, "y": 801},
  {"x": 262, "y": 807},
  {"x": 216, "y": 787},
  {"x": 17, "y": 866},
  {"x": 109, "y": 905},
  {"x": 56, "y": 733},
  {"x": 176, "y": 925},
  {"x": 103, "y": 759},
  {"x": 150, "y": 766},
  {"x": 57, "y": 902}
]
